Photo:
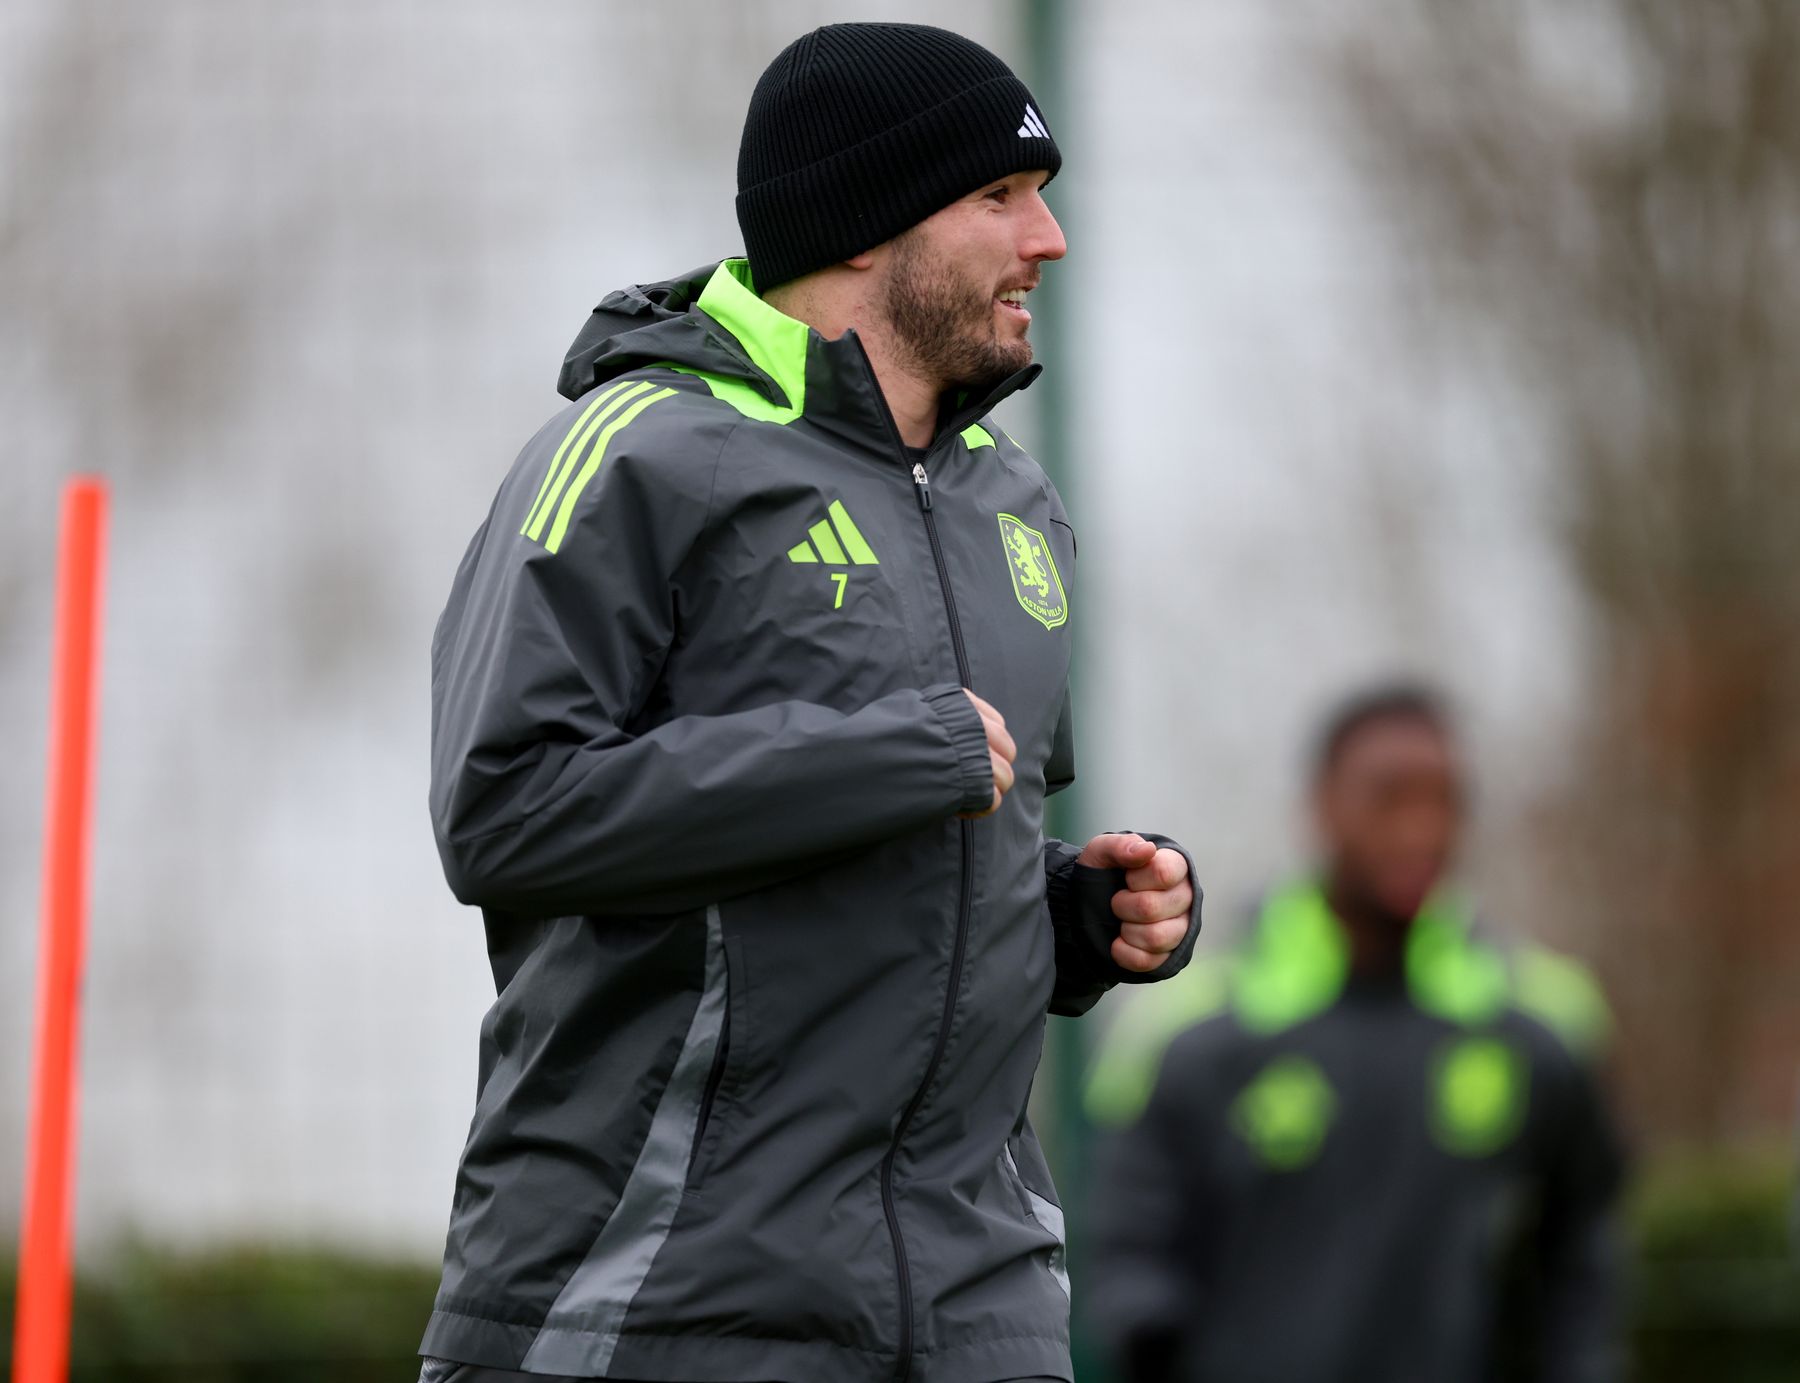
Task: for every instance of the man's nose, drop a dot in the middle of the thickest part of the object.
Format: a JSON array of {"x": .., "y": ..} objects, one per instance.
[{"x": 1044, "y": 240}]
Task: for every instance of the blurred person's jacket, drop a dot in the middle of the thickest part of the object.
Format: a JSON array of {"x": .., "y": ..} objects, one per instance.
[
  {"x": 753, "y": 1093},
  {"x": 1314, "y": 1175}
]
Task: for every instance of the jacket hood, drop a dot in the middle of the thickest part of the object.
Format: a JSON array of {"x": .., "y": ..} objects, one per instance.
[{"x": 734, "y": 337}]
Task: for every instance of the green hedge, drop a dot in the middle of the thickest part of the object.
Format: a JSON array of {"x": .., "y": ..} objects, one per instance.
[
  {"x": 1716, "y": 1285},
  {"x": 1715, "y": 1297},
  {"x": 245, "y": 1316}
]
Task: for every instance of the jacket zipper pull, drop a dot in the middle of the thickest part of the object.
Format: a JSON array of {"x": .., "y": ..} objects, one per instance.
[{"x": 922, "y": 486}]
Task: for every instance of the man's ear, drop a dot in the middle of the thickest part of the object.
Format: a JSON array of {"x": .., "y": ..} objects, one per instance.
[{"x": 865, "y": 260}]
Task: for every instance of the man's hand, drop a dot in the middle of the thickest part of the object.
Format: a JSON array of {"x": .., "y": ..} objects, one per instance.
[
  {"x": 1001, "y": 750},
  {"x": 1153, "y": 906}
]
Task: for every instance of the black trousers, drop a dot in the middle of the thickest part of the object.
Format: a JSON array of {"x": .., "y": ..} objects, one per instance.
[{"x": 443, "y": 1371}]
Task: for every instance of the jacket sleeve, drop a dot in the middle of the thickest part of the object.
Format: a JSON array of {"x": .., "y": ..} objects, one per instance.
[
  {"x": 1578, "y": 1255},
  {"x": 562, "y": 786}
]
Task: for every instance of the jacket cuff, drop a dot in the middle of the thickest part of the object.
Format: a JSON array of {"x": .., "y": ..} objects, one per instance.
[
  {"x": 1059, "y": 884},
  {"x": 968, "y": 737}
]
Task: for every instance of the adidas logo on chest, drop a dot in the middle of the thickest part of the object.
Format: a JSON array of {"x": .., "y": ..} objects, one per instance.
[{"x": 834, "y": 540}]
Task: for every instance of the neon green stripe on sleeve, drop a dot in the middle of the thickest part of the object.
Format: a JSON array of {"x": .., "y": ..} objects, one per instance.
[
  {"x": 854, "y": 542},
  {"x": 556, "y": 461},
  {"x": 1561, "y": 995},
  {"x": 592, "y": 466},
  {"x": 625, "y": 395}
]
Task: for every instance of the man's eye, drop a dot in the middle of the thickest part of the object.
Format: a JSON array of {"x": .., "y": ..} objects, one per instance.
[{"x": 997, "y": 194}]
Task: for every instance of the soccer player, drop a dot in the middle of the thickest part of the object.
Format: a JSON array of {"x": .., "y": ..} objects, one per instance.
[
  {"x": 746, "y": 702},
  {"x": 1379, "y": 1151}
]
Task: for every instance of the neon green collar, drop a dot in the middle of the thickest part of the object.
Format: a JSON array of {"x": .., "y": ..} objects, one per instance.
[
  {"x": 1299, "y": 959},
  {"x": 776, "y": 343}
]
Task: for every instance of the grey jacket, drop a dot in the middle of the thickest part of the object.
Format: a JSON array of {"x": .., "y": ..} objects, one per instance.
[{"x": 753, "y": 1092}]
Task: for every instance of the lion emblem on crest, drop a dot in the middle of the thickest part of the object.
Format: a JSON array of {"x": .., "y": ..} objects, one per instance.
[{"x": 1033, "y": 570}]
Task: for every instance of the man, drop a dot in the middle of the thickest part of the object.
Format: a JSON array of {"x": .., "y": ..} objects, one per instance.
[
  {"x": 746, "y": 703},
  {"x": 1376, "y": 1153}
]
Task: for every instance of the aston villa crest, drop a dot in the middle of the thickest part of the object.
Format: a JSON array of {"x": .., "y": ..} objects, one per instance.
[{"x": 1035, "y": 582}]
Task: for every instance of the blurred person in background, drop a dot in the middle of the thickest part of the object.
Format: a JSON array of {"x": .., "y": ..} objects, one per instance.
[
  {"x": 1368, "y": 1146},
  {"x": 770, "y": 910}
]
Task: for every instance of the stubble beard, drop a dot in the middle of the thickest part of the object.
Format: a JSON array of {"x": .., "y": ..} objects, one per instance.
[{"x": 943, "y": 322}]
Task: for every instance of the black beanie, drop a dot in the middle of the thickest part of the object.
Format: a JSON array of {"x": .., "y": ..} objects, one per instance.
[{"x": 860, "y": 131}]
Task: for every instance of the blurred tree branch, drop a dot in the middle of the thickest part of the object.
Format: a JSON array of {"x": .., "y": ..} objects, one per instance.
[{"x": 1613, "y": 189}]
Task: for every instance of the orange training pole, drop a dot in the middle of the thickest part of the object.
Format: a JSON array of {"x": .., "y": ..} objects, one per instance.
[{"x": 41, "y": 1331}]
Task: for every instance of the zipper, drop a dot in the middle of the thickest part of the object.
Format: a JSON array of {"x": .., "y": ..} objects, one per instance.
[
  {"x": 922, "y": 488},
  {"x": 965, "y": 899}
]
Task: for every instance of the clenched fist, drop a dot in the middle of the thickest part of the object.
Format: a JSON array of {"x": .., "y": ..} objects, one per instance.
[{"x": 1153, "y": 906}]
